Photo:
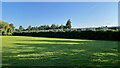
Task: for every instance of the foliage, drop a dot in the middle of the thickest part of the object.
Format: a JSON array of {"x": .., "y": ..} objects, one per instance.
[
  {"x": 68, "y": 24},
  {"x": 76, "y": 34},
  {"x": 61, "y": 26},
  {"x": 7, "y": 29},
  {"x": 29, "y": 28},
  {"x": 45, "y": 27},
  {"x": 53, "y": 26},
  {"x": 21, "y": 28}
]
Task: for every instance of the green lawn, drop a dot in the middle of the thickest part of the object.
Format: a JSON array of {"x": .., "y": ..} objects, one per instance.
[{"x": 39, "y": 51}]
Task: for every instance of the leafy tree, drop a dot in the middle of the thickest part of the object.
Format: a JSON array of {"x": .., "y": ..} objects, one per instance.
[
  {"x": 21, "y": 28},
  {"x": 32, "y": 28},
  {"x": 61, "y": 26},
  {"x": 29, "y": 28},
  {"x": 41, "y": 28},
  {"x": 6, "y": 29},
  {"x": 47, "y": 27},
  {"x": 44, "y": 27},
  {"x": 36, "y": 28},
  {"x": 57, "y": 27},
  {"x": 53, "y": 26},
  {"x": 68, "y": 24},
  {"x": 12, "y": 26}
]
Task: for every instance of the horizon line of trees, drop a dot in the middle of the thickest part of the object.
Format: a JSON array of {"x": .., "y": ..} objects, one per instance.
[
  {"x": 8, "y": 29},
  {"x": 46, "y": 27}
]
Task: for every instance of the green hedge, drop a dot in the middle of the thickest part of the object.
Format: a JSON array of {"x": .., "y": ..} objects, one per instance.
[{"x": 93, "y": 35}]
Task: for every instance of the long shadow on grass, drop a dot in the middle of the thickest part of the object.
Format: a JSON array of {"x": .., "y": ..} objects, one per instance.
[{"x": 38, "y": 54}]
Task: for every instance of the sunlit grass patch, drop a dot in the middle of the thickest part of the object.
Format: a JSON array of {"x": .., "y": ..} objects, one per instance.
[
  {"x": 100, "y": 60},
  {"x": 74, "y": 50},
  {"x": 50, "y": 43},
  {"x": 106, "y": 54},
  {"x": 40, "y": 51}
]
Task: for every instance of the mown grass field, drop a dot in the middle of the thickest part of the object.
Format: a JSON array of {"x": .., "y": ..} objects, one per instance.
[{"x": 39, "y": 51}]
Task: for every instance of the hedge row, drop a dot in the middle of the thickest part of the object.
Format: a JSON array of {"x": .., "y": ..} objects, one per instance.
[{"x": 93, "y": 35}]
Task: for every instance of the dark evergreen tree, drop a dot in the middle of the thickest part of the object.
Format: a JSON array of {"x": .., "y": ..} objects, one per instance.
[{"x": 68, "y": 24}]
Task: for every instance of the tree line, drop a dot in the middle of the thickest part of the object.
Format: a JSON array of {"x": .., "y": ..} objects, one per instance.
[
  {"x": 8, "y": 29},
  {"x": 46, "y": 27}
]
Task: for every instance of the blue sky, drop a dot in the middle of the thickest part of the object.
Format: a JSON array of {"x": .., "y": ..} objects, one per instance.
[
  {"x": 82, "y": 14},
  {"x": 60, "y": 0}
]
